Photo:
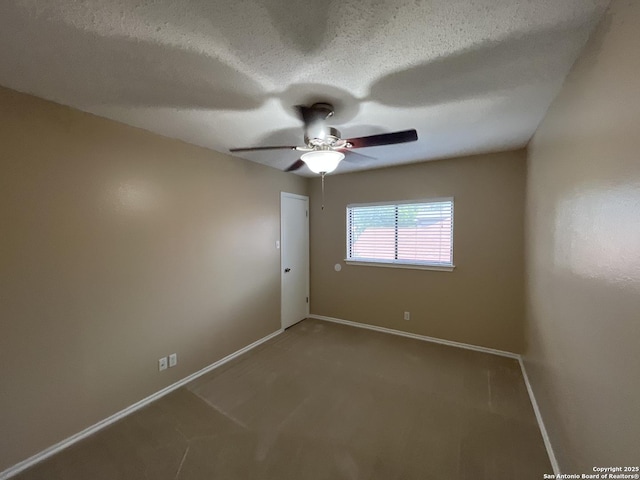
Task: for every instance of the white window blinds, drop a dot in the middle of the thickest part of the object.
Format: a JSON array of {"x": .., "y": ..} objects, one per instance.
[{"x": 411, "y": 233}]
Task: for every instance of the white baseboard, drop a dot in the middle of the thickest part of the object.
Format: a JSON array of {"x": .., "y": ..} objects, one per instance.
[
  {"x": 142, "y": 403},
  {"x": 536, "y": 410},
  {"x": 52, "y": 450},
  {"x": 543, "y": 430},
  {"x": 425, "y": 338}
]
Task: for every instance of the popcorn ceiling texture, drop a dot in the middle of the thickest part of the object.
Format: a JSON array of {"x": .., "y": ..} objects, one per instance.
[{"x": 470, "y": 76}]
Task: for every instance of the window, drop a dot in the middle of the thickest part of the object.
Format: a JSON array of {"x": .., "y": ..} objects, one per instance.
[{"x": 416, "y": 234}]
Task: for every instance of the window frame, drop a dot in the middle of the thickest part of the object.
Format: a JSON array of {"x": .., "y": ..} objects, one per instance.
[{"x": 395, "y": 263}]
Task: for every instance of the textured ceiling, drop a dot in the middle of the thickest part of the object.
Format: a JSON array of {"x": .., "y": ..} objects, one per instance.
[{"x": 470, "y": 76}]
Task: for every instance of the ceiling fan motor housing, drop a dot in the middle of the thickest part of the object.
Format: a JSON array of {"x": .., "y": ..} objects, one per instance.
[
  {"x": 317, "y": 133},
  {"x": 330, "y": 138}
]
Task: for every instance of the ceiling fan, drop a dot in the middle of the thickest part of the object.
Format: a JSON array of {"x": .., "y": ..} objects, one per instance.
[{"x": 324, "y": 147}]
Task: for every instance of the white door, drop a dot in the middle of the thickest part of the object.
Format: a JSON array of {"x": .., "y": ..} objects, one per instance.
[{"x": 294, "y": 255}]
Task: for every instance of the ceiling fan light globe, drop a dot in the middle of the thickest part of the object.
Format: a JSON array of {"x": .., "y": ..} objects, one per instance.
[{"x": 322, "y": 161}]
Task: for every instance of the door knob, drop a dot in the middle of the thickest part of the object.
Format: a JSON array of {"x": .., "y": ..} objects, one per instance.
[{"x": 287, "y": 270}]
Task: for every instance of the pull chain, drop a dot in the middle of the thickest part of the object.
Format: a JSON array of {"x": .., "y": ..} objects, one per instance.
[{"x": 322, "y": 174}]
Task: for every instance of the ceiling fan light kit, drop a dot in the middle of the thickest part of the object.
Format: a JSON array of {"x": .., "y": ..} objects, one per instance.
[{"x": 322, "y": 161}]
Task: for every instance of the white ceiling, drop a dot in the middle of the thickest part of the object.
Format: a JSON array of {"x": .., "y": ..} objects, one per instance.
[{"x": 470, "y": 76}]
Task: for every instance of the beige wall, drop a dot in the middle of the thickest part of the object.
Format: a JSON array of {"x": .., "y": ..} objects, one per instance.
[
  {"x": 119, "y": 247},
  {"x": 583, "y": 253},
  {"x": 480, "y": 302}
]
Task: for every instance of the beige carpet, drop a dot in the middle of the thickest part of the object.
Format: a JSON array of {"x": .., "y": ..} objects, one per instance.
[{"x": 326, "y": 401}]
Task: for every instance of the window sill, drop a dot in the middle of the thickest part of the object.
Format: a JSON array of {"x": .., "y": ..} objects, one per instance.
[{"x": 409, "y": 266}]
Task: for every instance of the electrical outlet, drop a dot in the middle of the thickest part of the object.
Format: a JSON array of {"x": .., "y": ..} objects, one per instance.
[
  {"x": 407, "y": 315},
  {"x": 173, "y": 360},
  {"x": 162, "y": 364}
]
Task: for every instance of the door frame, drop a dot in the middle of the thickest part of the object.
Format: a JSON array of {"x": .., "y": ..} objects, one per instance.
[{"x": 304, "y": 198}]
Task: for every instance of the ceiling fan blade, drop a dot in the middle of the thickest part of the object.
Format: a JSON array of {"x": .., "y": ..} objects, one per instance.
[
  {"x": 295, "y": 166},
  {"x": 404, "y": 136},
  {"x": 351, "y": 156},
  {"x": 257, "y": 149}
]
